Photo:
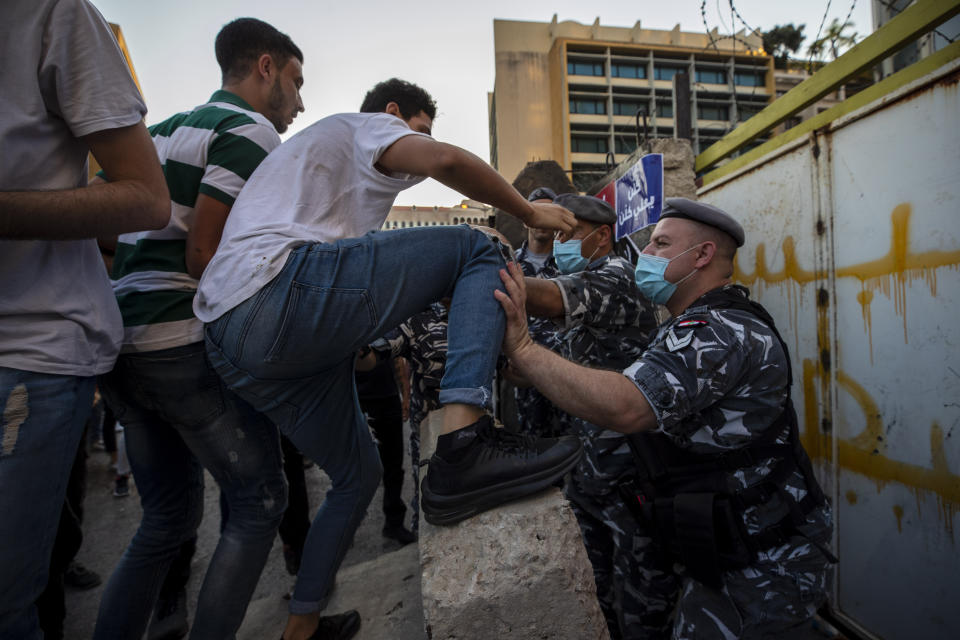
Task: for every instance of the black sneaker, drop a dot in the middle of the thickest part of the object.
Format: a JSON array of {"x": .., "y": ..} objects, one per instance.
[
  {"x": 170, "y": 618},
  {"x": 339, "y": 627},
  {"x": 495, "y": 467},
  {"x": 79, "y": 577},
  {"x": 399, "y": 533}
]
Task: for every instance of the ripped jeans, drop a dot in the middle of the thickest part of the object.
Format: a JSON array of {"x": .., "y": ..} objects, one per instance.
[
  {"x": 179, "y": 418},
  {"x": 43, "y": 416},
  {"x": 289, "y": 351}
]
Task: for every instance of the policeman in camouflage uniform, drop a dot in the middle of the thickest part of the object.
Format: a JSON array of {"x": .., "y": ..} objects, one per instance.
[
  {"x": 422, "y": 340},
  {"x": 736, "y": 546},
  {"x": 605, "y": 323},
  {"x": 537, "y": 415}
]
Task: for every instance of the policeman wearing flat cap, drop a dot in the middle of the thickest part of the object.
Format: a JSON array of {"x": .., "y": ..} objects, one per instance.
[
  {"x": 604, "y": 322},
  {"x": 721, "y": 485}
]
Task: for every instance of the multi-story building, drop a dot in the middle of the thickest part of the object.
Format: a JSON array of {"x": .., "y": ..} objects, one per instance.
[
  {"x": 571, "y": 92},
  {"x": 467, "y": 212},
  {"x": 885, "y": 10}
]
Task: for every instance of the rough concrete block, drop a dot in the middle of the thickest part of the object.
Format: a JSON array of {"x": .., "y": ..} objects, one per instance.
[
  {"x": 678, "y": 176},
  {"x": 519, "y": 571}
]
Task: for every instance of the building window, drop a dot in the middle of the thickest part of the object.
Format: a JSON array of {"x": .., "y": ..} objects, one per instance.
[
  {"x": 624, "y": 70},
  {"x": 625, "y": 145},
  {"x": 627, "y": 107},
  {"x": 711, "y": 76},
  {"x": 745, "y": 113},
  {"x": 592, "y": 107},
  {"x": 665, "y": 109},
  {"x": 744, "y": 79},
  {"x": 711, "y": 112},
  {"x": 592, "y": 144},
  {"x": 584, "y": 68},
  {"x": 666, "y": 73}
]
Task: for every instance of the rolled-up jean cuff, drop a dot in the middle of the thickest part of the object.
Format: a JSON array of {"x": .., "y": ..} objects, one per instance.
[
  {"x": 301, "y": 608},
  {"x": 476, "y": 396}
]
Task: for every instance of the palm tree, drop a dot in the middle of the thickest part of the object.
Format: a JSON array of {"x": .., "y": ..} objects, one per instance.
[{"x": 834, "y": 38}]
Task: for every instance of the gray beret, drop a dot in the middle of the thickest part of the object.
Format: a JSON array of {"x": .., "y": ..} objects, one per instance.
[
  {"x": 704, "y": 213},
  {"x": 542, "y": 193},
  {"x": 587, "y": 208}
]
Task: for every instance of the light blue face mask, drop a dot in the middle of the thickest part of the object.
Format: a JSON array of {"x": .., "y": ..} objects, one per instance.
[
  {"x": 569, "y": 257},
  {"x": 649, "y": 276}
]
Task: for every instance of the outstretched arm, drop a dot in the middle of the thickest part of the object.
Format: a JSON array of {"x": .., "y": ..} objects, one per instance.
[
  {"x": 461, "y": 170},
  {"x": 605, "y": 398},
  {"x": 134, "y": 199}
]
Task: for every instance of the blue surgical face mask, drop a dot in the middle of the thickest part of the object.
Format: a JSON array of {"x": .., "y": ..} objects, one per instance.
[
  {"x": 649, "y": 276},
  {"x": 569, "y": 257}
]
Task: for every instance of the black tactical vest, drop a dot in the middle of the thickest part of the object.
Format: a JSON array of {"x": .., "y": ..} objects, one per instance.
[{"x": 683, "y": 498}]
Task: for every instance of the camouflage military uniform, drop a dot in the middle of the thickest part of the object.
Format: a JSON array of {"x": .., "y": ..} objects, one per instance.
[
  {"x": 716, "y": 380},
  {"x": 422, "y": 340},
  {"x": 536, "y": 414},
  {"x": 607, "y": 324}
]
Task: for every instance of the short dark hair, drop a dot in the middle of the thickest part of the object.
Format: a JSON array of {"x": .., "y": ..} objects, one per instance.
[
  {"x": 409, "y": 97},
  {"x": 241, "y": 42}
]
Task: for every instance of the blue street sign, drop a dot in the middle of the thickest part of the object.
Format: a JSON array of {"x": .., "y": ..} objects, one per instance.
[{"x": 640, "y": 195}]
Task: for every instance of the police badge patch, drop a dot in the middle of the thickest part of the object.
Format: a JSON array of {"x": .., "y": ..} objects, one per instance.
[{"x": 674, "y": 343}]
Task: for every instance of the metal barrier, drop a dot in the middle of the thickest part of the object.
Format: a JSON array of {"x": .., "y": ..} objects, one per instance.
[{"x": 914, "y": 21}]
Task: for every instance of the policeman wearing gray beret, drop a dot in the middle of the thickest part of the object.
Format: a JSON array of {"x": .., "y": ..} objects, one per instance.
[
  {"x": 703, "y": 213},
  {"x": 587, "y": 208}
]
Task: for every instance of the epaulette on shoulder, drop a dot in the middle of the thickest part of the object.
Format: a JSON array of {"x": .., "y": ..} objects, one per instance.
[
  {"x": 699, "y": 312},
  {"x": 691, "y": 323}
]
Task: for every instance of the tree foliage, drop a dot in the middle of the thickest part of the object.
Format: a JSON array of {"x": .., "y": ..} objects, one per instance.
[
  {"x": 833, "y": 41},
  {"x": 781, "y": 41}
]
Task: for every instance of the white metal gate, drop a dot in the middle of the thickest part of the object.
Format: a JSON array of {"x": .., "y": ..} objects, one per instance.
[{"x": 853, "y": 244}]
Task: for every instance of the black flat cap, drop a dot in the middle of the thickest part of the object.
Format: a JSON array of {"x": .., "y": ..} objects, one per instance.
[
  {"x": 541, "y": 193},
  {"x": 587, "y": 208},
  {"x": 704, "y": 213}
]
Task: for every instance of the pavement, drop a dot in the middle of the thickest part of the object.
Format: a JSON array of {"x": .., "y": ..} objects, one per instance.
[{"x": 378, "y": 577}]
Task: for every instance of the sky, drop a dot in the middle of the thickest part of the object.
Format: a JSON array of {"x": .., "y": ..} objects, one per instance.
[{"x": 445, "y": 47}]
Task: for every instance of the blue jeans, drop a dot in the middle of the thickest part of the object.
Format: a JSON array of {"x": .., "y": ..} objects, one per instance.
[
  {"x": 180, "y": 418},
  {"x": 289, "y": 350},
  {"x": 43, "y": 416}
]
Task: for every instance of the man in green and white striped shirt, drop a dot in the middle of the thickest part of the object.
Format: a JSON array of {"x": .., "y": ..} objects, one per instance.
[
  {"x": 207, "y": 155},
  {"x": 177, "y": 413}
]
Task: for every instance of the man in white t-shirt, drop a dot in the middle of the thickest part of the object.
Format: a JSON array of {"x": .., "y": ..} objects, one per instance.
[
  {"x": 65, "y": 91},
  {"x": 298, "y": 285}
]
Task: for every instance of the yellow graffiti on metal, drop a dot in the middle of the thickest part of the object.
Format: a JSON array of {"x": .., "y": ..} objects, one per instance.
[
  {"x": 891, "y": 273},
  {"x": 866, "y": 453}
]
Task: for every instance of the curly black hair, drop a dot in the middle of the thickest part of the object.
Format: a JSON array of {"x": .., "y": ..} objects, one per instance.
[
  {"x": 409, "y": 97},
  {"x": 241, "y": 42}
]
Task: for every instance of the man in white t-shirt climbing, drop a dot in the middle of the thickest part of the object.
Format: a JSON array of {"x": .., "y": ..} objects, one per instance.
[{"x": 299, "y": 283}]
